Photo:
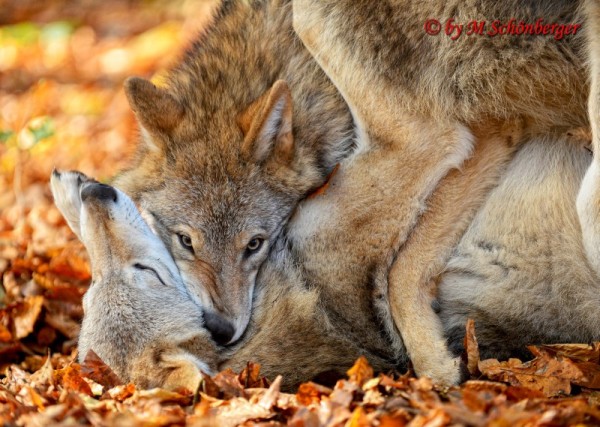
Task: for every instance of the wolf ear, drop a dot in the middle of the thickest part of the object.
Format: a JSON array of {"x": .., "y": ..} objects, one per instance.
[
  {"x": 267, "y": 126},
  {"x": 156, "y": 109}
]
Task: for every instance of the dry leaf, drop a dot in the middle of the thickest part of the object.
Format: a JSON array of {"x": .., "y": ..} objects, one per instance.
[
  {"x": 229, "y": 383},
  {"x": 361, "y": 371},
  {"x": 71, "y": 379},
  {"x": 471, "y": 348},
  {"x": 95, "y": 369},
  {"x": 25, "y": 314},
  {"x": 311, "y": 393}
]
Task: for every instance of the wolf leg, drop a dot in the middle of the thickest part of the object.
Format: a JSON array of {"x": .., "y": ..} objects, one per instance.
[
  {"x": 424, "y": 150},
  {"x": 588, "y": 199},
  {"x": 449, "y": 212}
]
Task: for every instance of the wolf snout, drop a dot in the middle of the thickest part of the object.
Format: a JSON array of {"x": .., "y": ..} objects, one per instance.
[
  {"x": 220, "y": 328},
  {"x": 99, "y": 192}
]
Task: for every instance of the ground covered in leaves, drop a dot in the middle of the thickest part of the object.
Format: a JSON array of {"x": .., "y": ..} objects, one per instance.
[{"x": 62, "y": 65}]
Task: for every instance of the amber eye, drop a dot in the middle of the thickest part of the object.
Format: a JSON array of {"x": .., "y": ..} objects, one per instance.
[
  {"x": 186, "y": 242},
  {"x": 254, "y": 245}
]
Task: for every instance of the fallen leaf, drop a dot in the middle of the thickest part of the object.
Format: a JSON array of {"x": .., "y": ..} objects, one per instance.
[
  {"x": 471, "y": 348},
  {"x": 250, "y": 376},
  {"x": 71, "y": 379},
  {"x": 229, "y": 384},
  {"x": 25, "y": 314},
  {"x": 310, "y": 392},
  {"x": 95, "y": 369},
  {"x": 575, "y": 352},
  {"x": 551, "y": 376},
  {"x": 361, "y": 371}
]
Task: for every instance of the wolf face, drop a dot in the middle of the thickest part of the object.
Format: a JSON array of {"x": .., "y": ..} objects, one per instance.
[
  {"x": 221, "y": 197},
  {"x": 137, "y": 299},
  {"x": 245, "y": 126}
]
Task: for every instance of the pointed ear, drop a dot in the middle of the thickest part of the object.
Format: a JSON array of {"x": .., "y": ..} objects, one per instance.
[
  {"x": 267, "y": 126},
  {"x": 65, "y": 189},
  {"x": 155, "y": 108}
]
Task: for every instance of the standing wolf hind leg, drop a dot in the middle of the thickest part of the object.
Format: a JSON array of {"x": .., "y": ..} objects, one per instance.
[{"x": 422, "y": 151}]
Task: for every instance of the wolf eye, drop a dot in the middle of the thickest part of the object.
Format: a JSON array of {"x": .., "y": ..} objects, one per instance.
[
  {"x": 254, "y": 245},
  {"x": 186, "y": 242},
  {"x": 143, "y": 267}
]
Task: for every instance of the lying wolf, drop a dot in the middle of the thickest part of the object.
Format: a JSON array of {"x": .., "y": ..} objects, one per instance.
[
  {"x": 138, "y": 316},
  {"x": 526, "y": 239}
]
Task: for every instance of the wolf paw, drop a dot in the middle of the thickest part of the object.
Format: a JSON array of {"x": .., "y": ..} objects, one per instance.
[{"x": 443, "y": 370}]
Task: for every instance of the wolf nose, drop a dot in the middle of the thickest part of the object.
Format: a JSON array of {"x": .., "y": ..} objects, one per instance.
[
  {"x": 221, "y": 330},
  {"x": 99, "y": 192}
]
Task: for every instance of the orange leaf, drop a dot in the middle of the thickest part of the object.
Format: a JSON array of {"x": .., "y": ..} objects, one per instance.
[
  {"x": 250, "y": 377},
  {"x": 361, "y": 371},
  {"x": 311, "y": 393},
  {"x": 71, "y": 379}
]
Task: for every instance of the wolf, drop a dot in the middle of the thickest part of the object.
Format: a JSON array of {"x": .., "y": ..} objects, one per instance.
[
  {"x": 299, "y": 329},
  {"x": 250, "y": 125},
  {"x": 385, "y": 67},
  {"x": 412, "y": 103},
  {"x": 138, "y": 316}
]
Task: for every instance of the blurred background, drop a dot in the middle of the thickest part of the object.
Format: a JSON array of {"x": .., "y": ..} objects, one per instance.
[{"x": 62, "y": 67}]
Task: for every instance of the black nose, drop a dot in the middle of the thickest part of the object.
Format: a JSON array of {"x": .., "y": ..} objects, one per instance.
[
  {"x": 99, "y": 192},
  {"x": 221, "y": 330}
]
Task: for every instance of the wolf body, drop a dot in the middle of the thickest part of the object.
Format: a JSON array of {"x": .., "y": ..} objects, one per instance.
[{"x": 220, "y": 173}]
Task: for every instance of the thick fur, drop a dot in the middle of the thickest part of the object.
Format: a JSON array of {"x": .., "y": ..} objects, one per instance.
[
  {"x": 521, "y": 271},
  {"x": 207, "y": 168},
  {"x": 392, "y": 74},
  {"x": 416, "y": 101},
  {"x": 138, "y": 316},
  {"x": 469, "y": 78}
]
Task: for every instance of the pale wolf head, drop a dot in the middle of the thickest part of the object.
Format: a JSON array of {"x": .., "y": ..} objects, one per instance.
[
  {"x": 138, "y": 316},
  {"x": 218, "y": 192}
]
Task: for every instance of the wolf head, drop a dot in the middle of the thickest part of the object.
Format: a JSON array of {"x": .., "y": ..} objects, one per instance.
[
  {"x": 138, "y": 316},
  {"x": 218, "y": 191}
]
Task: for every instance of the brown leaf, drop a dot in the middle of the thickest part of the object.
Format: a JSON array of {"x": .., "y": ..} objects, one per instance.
[
  {"x": 70, "y": 264},
  {"x": 311, "y": 393},
  {"x": 45, "y": 375},
  {"x": 250, "y": 377},
  {"x": 401, "y": 383},
  {"x": 551, "y": 376},
  {"x": 5, "y": 335},
  {"x": 229, "y": 384},
  {"x": 361, "y": 371},
  {"x": 208, "y": 386},
  {"x": 25, "y": 314},
  {"x": 269, "y": 399},
  {"x": 471, "y": 348},
  {"x": 391, "y": 421},
  {"x": 163, "y": 396},
  {"x": 575, "y": 352},
  {"x": 95, "y": 369}
]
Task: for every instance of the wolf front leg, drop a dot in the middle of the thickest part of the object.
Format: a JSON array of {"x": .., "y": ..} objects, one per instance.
[
  {"x": 588, "y": 199},
  {"x": 450, "y": 209}
]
